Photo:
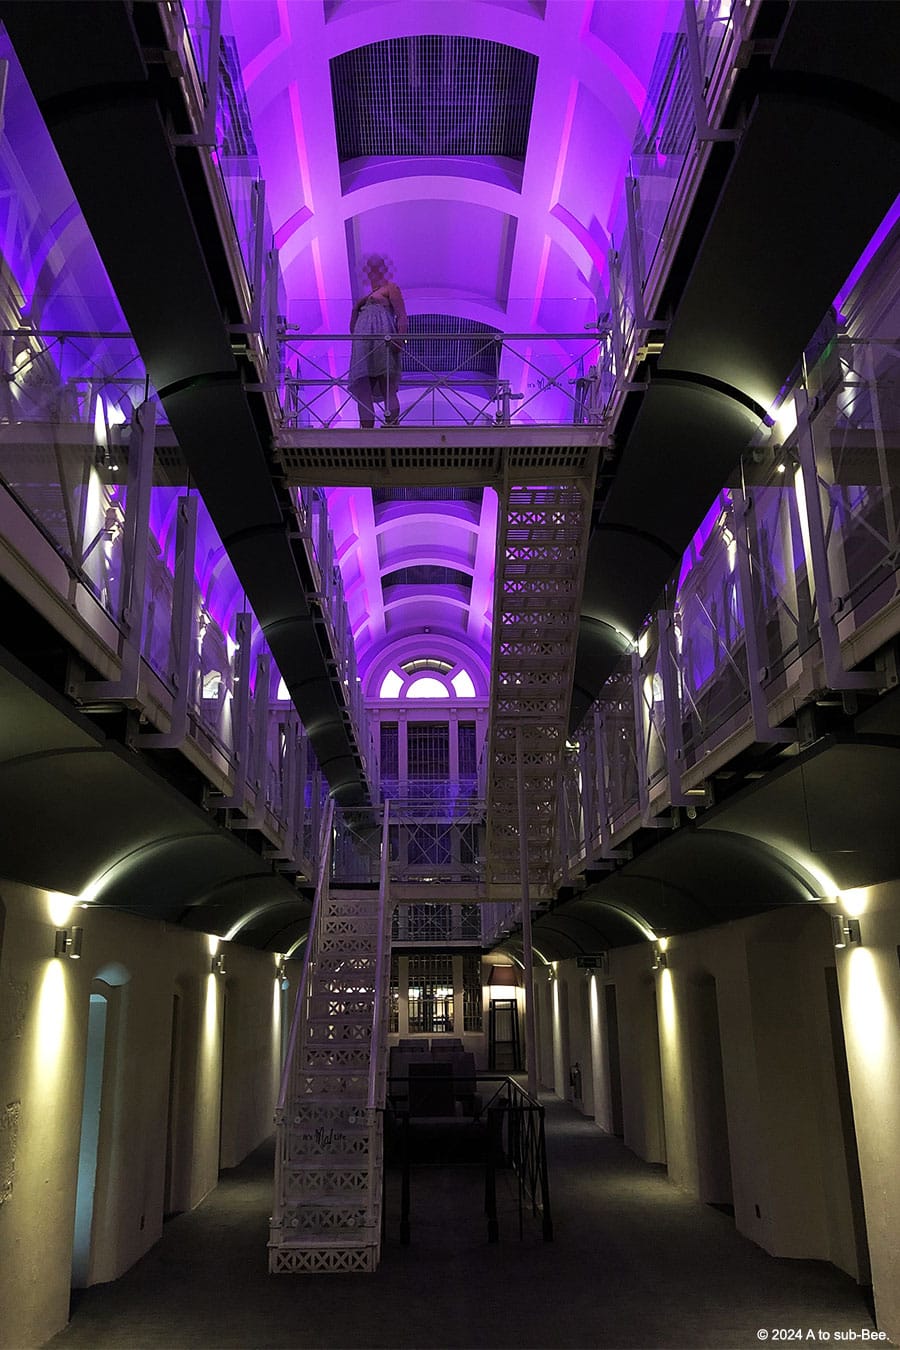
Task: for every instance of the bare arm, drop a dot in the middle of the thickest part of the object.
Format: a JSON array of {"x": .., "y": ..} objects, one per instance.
[{"x": 396, "y": 298}]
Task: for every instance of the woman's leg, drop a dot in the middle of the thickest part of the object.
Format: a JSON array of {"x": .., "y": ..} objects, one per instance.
[
  {"x": 392, "y": 390},
  {"x": 365, "y": 403}
]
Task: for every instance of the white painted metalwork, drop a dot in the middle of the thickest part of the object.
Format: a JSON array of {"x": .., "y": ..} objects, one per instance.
[
  {"x": 790, "y": 586},
  {"x": 330, "y": 1116},
  {"x": 540, "y": 572},
  {"x": 549, "y": 379},
  {"x": 457, "y": 455}
]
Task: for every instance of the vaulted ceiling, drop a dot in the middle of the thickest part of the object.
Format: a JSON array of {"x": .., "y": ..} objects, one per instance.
[{"x": 482, "y": 146}]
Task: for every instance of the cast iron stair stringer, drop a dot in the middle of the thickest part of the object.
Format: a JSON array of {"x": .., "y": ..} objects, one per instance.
[{"x": 330, "y": 1115}]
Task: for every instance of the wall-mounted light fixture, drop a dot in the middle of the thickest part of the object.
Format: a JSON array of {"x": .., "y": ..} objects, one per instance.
[
  {"x": 503, "y": 981},
  {"x": 281, "y": 974},
  {"x": 217, "y": 964},
  {"x": 68, "y": 943},
  {"x": 660, "y": 957},
  {"x": 594, "y": 963},
  {"x": 846, "y": 931}
]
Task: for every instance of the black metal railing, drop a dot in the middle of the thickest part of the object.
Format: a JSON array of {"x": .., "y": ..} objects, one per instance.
[
  {"x": 506, "y": 1133},
  {"x": 518, "y": 1141}
]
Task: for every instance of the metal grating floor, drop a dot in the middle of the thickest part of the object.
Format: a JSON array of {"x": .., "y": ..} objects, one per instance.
[
  {"x": 433, "y": 94},
  {"x": 459, "y": 456}
]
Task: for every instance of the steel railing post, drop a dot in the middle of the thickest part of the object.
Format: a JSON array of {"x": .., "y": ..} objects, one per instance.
[{"x": 527, "y": 948}]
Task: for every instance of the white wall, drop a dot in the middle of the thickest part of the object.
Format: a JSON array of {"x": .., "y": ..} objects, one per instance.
[
  {"x": 869, "y": 977},
  {"x": 728, "y": 1074},
  {"x": 43, "y": 1028}
]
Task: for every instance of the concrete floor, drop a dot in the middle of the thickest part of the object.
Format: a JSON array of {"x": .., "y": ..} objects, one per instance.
[{"x": 634, "y": 1263}]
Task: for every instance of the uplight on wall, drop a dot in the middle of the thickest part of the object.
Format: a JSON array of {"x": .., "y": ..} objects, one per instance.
[
  {"x": 846, "y": 931},
  {"x": 502, "y": 981},
  {"x": 660, "y": 956},
  {"x": 68, "y": 943},
  {"x": 217, "y": 964}
]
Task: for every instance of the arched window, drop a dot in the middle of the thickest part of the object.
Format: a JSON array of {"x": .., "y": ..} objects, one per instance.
[
  {"x": 426, "y": 686},
  {"x": 427, "y": 677}
]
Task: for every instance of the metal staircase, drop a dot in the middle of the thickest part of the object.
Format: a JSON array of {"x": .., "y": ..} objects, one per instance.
[
  {"x": 330, "y": 1115},
  {"x": 539, "y": 579}
]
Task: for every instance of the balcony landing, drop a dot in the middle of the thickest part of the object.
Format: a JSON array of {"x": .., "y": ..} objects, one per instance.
[{"x": 411, "y": 456}]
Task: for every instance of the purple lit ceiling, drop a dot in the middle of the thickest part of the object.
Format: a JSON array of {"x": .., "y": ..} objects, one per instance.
[
  {"x": 496, "y": 237},
  {"x": 481, "y": 145},
  {"x": 418, "y": 574}
]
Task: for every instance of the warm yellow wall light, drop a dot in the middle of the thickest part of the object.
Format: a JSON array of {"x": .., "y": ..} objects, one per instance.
[
  {"x": 853, "y": 902},
  {"x": 866, "y": 1013},
  {"x": 60, "y": 907},
  {"x": 51, "y": 1019}
]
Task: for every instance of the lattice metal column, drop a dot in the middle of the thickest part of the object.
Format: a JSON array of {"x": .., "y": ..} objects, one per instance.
[
  {"x": 540, "y": 574},
  {"x": 541, "y": 556}
]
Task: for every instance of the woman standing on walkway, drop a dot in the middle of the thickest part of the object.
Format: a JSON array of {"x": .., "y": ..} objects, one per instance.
[{"x": 377, "y": 323}]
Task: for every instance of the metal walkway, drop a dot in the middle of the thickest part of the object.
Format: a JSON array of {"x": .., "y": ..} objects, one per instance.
[{"x": 451, "y": 456}]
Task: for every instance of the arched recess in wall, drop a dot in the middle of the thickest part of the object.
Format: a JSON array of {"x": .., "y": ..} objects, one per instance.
[
  {"x": 182, "y": 1096},
  {"x": 94, "y": 1247},
  {"x": 232, "y": 1089},
  {"x": 713, "y": 1153}
]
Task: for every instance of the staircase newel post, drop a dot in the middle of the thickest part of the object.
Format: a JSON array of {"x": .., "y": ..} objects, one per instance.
[{"x": 527, "y": 951}]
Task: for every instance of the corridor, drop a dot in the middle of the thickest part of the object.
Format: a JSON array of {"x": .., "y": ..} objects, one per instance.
[{"x": 634, "y": 1263}]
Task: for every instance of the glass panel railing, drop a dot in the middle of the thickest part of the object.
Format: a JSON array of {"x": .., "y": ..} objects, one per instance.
[
  {"x": 746, "y": 616},
  {"x": 653, "y": 708},
  {"x": 212, "y": 81},
  {"x": 332, "y": 381},
  {"x": 855, "y": 434},
  {"x": 686, "y": 96},
  {"x": 782, "y": 596},
  {"x": 64, "y": 446},
  {"x": 709, "y": 633},
  {"x": 618, "y": 748},
  {"x": 198, "y": 25}
]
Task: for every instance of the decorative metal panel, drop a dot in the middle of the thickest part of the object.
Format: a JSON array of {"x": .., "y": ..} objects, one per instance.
[
  {"x": 433, "y": 94},
  {"x": 427, "y": 574},
  {"x": 463, "y": 346}
]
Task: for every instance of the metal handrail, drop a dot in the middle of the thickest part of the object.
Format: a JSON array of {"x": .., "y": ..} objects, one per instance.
[
  {"x": 526, "y": 1151},
  {"x": 377, "y": 1077},
  {"x": 299, "y": 1018}
]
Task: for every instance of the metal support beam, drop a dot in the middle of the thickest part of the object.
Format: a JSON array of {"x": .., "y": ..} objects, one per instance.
[
  {"x": 182, "y": 627},
  {"x": 606, "y": 853},
  {"x": 836, "y": 676},
  {"x": 135, "y": 546},
  {"x": 527, "y": 947},
  {"x": 240, "y": 715},
  {"x": 649, "y": 821},
  {"x": 672, "y": 706},
  {"x": 256, "y": 771},
  {"x": 207, "y": 133},
  {"x": 763, "y": 732},
  {"x": 588, "y": 798},
  {"x": 695, "y": 73}
]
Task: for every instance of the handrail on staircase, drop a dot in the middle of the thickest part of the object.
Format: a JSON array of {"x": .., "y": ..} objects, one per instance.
[
  {"x": 381, "y": 1002},
  {"x": 299, "y": 1018}
]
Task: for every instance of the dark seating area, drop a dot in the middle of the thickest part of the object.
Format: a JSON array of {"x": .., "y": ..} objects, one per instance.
[{"x": 434, "y": 1081}]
